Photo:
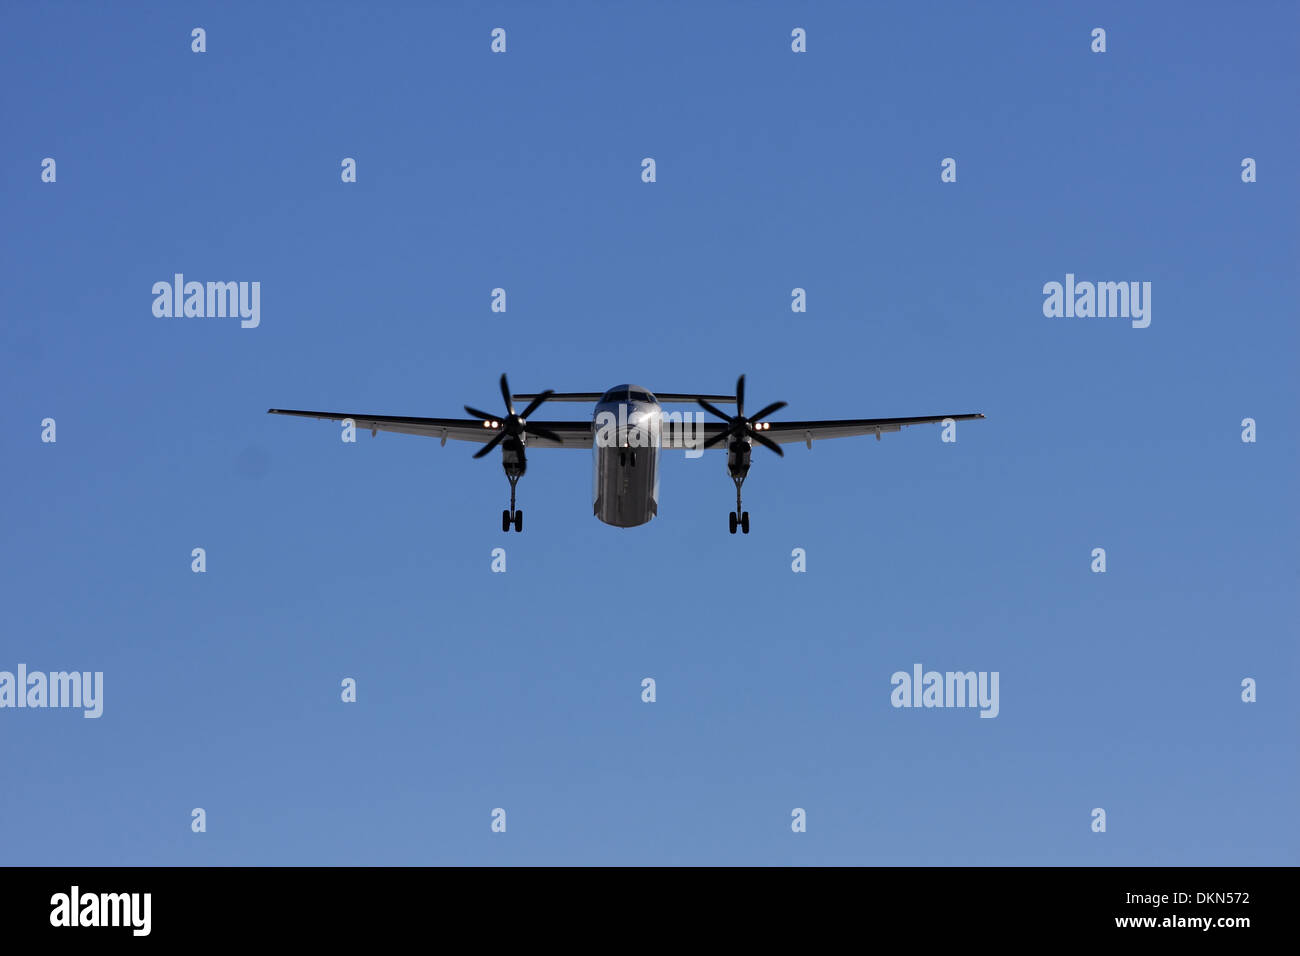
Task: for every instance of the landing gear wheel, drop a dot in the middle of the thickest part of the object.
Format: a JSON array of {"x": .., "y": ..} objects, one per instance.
[
  {"x": 505, "y": 521},
  {"x": 744, "y": 522},
  {"x": 732, "y": 523},
  {"x": 519, "y": 521}
]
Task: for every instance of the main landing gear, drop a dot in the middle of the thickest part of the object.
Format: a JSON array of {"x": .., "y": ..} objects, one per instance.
[
  {"x": 738, "y": 467},
  {"x": 514, "y": 471}
]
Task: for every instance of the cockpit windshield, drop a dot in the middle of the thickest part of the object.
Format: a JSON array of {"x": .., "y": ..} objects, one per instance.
[{"x": 627, "y": 393}]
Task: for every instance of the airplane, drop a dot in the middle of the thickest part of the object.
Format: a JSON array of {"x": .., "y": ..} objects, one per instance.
[{"x": 628, "y": 429}]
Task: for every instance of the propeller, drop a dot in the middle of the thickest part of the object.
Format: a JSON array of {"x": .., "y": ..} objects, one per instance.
[
  {"x": 740, "y": 424},
  {"x": 512, "y": 425}
]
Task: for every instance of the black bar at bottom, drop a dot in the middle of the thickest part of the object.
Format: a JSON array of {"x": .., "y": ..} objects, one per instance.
[{"x": 657, "y": 906}]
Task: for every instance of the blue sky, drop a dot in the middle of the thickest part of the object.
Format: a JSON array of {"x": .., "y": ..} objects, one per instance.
[{"x": 521, "y": 690}]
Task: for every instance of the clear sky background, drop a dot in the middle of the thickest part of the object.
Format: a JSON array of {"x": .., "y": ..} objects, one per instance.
[{"x": 523, "y": 690}]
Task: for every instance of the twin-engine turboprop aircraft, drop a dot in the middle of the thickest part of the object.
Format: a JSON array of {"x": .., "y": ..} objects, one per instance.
[{"x": 627, "y": 430}]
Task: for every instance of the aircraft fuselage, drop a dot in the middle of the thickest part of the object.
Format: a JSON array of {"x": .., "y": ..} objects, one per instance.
[{"x": 625, "y": 458}]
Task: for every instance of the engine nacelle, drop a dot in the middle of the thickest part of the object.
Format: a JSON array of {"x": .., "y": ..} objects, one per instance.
[{"x": 738, "y": 451}]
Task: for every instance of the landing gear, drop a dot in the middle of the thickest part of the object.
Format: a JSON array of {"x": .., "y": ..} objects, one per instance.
[
  {"x": 515, "y": 464},
  {"x": 738, "y": 468}
]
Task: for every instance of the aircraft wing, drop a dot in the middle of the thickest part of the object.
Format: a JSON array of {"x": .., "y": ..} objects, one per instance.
[
  {"x": 785, "y": 432},
  {"x": 574, "y": 434},
  {"x": 579, "y": 434}
]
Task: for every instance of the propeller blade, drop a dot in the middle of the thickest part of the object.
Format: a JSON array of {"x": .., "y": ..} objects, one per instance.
[
  {"x": 740, "y": 397},
  {"x": 541, "y": 432},
  {"x": 496, "y": 440},
  {"x": 478, "y": 413},
  {"x": 532, "y": 406},
  {"x": 720, "y": 436},
  {"x": 505, "y": 393},
  {"x": 714, "y": 410},
  {"x": 774, "y": 407},
  {"x": 766, "y": 442}
]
